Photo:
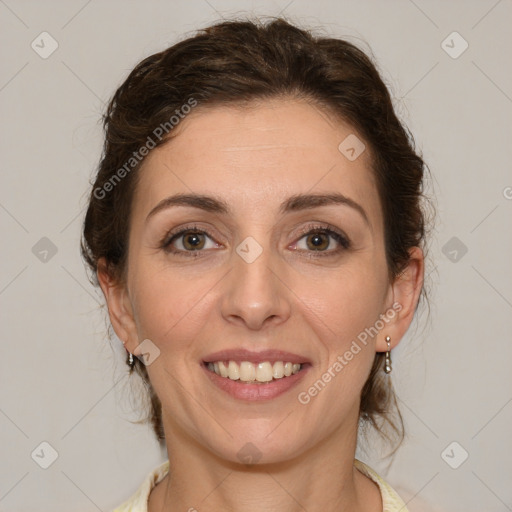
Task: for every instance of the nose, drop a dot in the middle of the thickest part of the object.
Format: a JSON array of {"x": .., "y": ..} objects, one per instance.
[{"x": 255, "y": 293}]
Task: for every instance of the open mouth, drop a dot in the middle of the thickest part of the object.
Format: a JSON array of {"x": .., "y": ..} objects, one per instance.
[{"x": 254, "y": 373}]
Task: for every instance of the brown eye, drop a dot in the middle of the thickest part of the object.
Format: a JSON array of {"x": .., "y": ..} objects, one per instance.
[
  {"x": 317, "y": 241},
  {"x": 189, "y": 241},
  {"x": 193, "y": 240},
  {"x": 322, "y": 241}
]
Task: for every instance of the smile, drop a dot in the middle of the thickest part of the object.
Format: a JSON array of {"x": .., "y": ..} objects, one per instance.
[
  {"x": 249, "y": 372},
  {"x": 253, "y": 376}
]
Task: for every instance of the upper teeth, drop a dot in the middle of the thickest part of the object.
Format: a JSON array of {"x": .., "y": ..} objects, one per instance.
[{"x": 250, "y": 372}]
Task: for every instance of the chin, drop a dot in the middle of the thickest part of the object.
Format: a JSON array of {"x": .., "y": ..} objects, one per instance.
[{"x": 258, "y": 449}]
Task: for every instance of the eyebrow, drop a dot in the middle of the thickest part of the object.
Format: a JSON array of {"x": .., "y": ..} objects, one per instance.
[{"x": 294, "y": 203}]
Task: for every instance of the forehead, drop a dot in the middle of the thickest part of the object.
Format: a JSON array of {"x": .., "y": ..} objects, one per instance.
[{"x": 255, "y": 156}]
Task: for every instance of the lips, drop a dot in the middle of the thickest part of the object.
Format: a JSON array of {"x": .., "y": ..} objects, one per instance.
[
  {"x": 250, "y": 372},
  {"x": 249, "y": 375},
  {"x": 271, "y": 356}
]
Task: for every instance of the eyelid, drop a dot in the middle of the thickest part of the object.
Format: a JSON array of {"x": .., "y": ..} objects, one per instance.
[
  {"x": 341, "y": 238},
  {"x": 178, "y": 232},
  {"x": 321, "y": 227}
]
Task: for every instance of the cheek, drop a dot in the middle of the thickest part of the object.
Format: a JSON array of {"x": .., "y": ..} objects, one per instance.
[
  {"x": 343, "y": 310},
  {"x": 169, "y": 306},
  {"x": 345, "y": 302},
  {"x": 341, "y": 314}
]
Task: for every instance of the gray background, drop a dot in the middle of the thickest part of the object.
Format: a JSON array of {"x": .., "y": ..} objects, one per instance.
[{"x": 63, "y": 384}]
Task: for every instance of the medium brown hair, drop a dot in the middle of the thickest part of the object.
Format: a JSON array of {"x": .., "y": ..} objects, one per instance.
[{"x": 237, "y": 62}]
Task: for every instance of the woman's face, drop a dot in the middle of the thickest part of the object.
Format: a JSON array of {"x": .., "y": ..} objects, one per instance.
[{"x": 247, "y": 277}]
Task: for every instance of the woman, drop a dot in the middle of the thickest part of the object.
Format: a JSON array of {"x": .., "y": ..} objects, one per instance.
[{"x": 256, "y": 228}]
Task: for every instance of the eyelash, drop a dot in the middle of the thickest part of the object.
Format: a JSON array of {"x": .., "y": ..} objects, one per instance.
[{"x": 310, "y": 229}]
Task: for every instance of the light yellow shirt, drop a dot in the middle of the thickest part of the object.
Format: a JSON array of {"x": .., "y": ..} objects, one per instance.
[{"x": 139, "y": 501}]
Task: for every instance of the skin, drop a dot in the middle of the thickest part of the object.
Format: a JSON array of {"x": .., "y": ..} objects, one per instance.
[{"x": 255, "y": 158}]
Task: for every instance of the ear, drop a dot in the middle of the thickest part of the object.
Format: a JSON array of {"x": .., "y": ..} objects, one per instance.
[
  {"x": 405, "y": 292},
  {"x": 119, "y": 306}
]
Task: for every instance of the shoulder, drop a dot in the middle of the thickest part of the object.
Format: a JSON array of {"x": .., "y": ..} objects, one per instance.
[
  {"x": 390, "y": 499},
  {"x": 138, "y": 502}
]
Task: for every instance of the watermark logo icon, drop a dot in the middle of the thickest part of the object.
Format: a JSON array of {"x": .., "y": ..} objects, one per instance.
[
  {"x": 454, "y": 455},
  {"x": 44, "y": 455},
  {"x": 44, "y": 45},
  {"x": 147, "y": 352},
  {"x": 454, "y": 45},
  {"x": 249, "y": 454},
  {"x": 249, "y": 250},
  {"x": 454, "y": 249},
  {"x": 44, "y": 250},
  {"x": 351, "y": 147}
]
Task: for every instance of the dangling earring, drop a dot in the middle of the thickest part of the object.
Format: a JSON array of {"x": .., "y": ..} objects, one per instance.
[
  {"x": 387, "y": 362},
  {"x": 130, "y": 362}
]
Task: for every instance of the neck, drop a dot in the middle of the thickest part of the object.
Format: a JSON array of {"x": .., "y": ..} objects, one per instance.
[{"x": 323, "y": 478}]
